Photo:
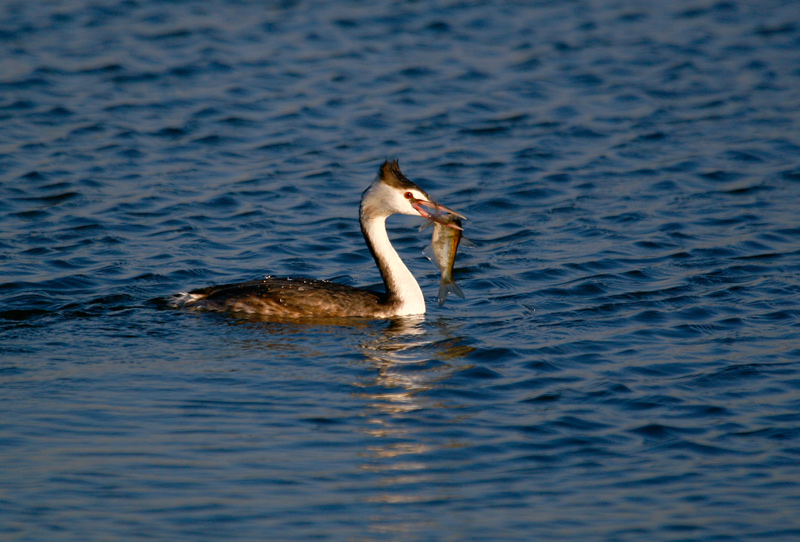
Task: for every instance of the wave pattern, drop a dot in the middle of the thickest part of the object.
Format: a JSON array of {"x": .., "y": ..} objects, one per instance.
[{"x": 625, "y": 365}]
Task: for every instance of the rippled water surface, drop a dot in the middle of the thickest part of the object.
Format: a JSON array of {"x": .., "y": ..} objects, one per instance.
[{"x": 625, "y": 366}]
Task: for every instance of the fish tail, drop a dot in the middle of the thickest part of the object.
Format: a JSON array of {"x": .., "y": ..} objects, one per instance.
[{"x": 447, "y": 287}]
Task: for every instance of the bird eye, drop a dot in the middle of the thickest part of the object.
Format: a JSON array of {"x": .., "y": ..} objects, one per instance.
[{"x": 409, "y": 195}]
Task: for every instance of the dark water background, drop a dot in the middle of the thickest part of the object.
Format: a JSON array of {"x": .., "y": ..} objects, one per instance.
[{"x": 625, "y": 366}]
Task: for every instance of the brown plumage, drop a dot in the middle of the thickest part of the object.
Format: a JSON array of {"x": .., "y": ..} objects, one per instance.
[{"x": 391, "y": 193}]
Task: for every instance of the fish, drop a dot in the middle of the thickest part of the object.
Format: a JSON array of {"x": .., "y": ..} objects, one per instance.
[{"x": 447, "y": 234}]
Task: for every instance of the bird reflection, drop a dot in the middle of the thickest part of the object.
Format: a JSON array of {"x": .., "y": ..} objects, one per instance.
[
  {"x": 406, "y": 415},
  {"x": 410, "y": 357}
]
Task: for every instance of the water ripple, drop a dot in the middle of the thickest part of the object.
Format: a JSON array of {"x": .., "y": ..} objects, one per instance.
[{"x": 631, "y": 320}]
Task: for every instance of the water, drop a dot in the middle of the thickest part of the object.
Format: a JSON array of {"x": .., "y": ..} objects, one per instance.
[{"x": 624, "y": 368}]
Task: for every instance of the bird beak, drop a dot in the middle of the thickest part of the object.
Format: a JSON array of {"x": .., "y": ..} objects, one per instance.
[{"x": 436, "y": 212}]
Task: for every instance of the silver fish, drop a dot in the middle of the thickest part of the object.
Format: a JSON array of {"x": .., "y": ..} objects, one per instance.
[{"x": 447, "y": 234}]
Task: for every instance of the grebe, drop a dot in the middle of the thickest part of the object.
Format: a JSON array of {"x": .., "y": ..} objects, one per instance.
[{"x": 390, "y": 193}]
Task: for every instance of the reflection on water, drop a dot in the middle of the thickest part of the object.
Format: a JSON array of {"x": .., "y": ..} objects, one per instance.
[
  {"x": 631, "y": 168},
  {"x": 407, "y": 340},
  {"x": 410, "y": 358},
  {"x": 396, "y": 368}
]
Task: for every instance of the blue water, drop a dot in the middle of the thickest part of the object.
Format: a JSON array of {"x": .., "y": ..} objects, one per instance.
[{"x": 625, "y": 367}]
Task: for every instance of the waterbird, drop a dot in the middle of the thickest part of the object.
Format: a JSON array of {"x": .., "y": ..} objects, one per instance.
[{"x": 390, "y": 193}]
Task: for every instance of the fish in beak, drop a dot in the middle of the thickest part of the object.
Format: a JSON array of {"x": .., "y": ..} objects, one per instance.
[{"x": 437, "y": 212}]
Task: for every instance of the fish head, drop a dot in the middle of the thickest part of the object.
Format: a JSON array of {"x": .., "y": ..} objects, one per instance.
[{"x": 439, "y": 214}]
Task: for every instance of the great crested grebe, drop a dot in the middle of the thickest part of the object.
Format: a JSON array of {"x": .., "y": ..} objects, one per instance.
[{"x": 390, "y": 193}]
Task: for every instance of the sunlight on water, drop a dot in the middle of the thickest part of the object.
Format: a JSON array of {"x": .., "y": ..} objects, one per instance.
[{"x": 624, "y": 365}]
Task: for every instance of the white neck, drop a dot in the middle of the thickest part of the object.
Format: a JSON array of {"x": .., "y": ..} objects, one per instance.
[{"x": 402, "y": 288}]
